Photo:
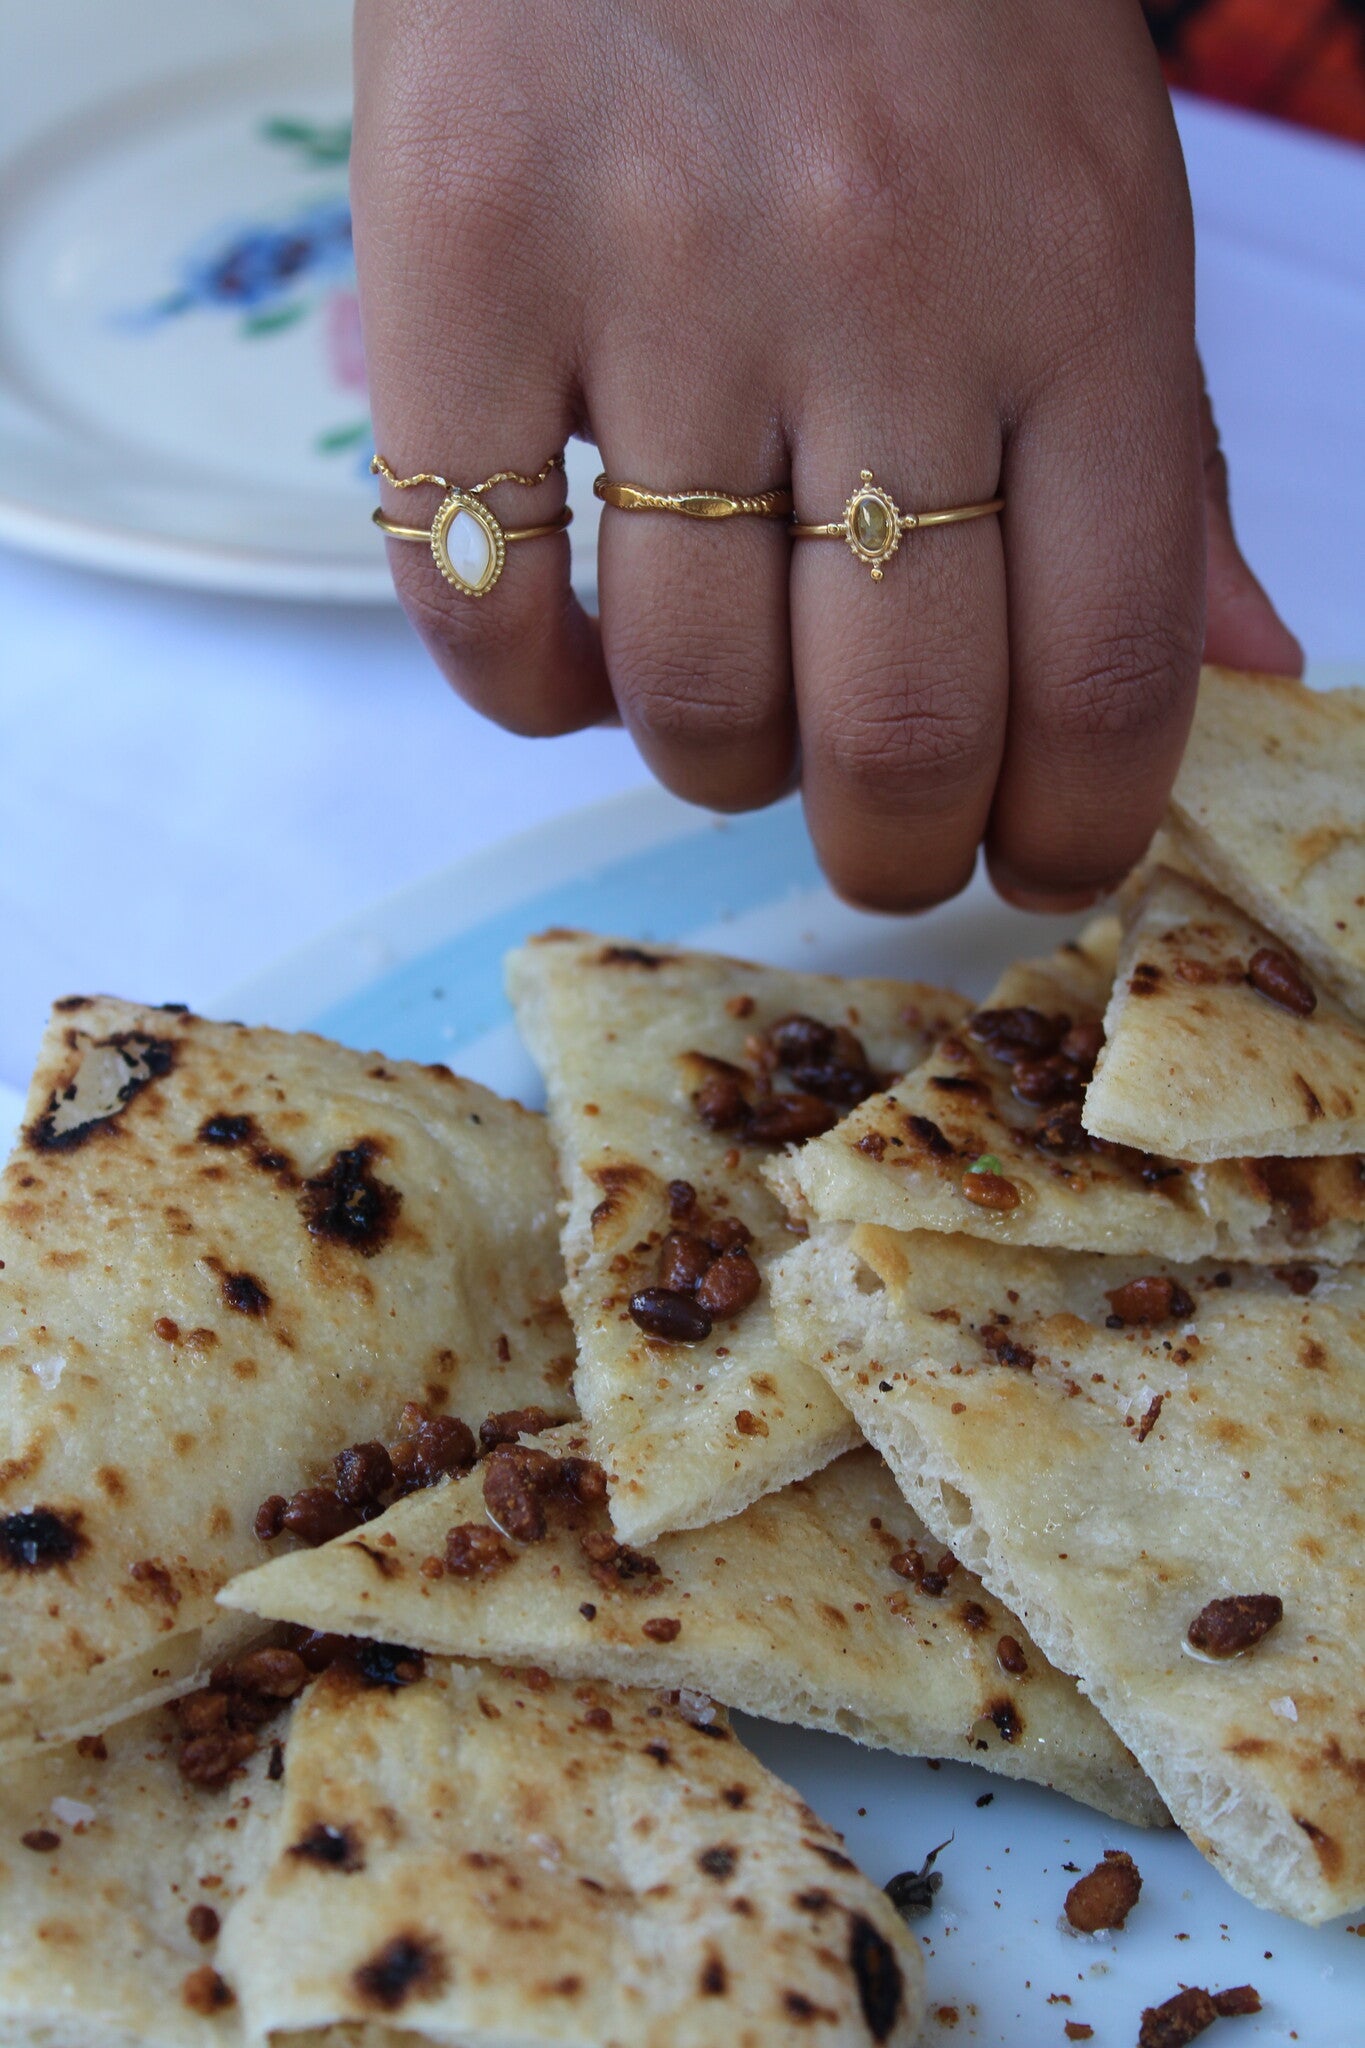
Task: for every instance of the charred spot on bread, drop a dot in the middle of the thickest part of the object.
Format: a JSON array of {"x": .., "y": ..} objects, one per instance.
[
  {"x": 37, "y": 1539},
  {"x": 347, "y": 1204}
]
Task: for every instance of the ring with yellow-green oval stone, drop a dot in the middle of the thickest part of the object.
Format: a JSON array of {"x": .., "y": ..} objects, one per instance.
[{"x": 874, "y": 524}]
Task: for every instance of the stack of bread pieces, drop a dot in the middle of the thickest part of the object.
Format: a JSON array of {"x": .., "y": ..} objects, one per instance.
[{"x": 397, "y": 1488}]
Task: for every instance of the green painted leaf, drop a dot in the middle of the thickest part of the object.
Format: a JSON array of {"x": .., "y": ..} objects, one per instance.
[
  {"x": 277, "y": 318},
  {"x": 338, "y": 439},
  {"x": 319, "y": 143}
]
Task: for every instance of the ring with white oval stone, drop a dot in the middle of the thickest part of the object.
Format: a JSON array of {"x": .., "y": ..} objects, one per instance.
[
  {"x": 468, "y": 542},
  {"x": 873, "y": 523}
]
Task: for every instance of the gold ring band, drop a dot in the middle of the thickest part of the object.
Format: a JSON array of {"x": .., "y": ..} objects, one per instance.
[
  {"x": 468, "y": 542},
  {"x": 873, "y": 524},
  {"x": 775, "y": 504}
]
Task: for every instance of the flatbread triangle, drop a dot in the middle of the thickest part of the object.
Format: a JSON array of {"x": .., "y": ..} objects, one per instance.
[
  {"x": 1270, "y": 806},
  {"x": 1199, "y": 1058},
  {"x": 227, "y": 1254},
  {"x": 659, "y": 1077},
  {"x": 1174, "y": 1505},
  {"x": 818, "y": 1605}
]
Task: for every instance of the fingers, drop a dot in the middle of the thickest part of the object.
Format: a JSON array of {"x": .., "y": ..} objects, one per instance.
[
  {"x": 1242, "y": 628},
  {"x": 467, "y": 376},
  {"x": 695, "y": 612},
  {"x": 901, "y": 684},
  {"x": 1104, "y": 531}
]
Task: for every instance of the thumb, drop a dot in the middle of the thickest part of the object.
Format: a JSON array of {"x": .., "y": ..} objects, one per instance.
[{"x": 1242, "y": 627}]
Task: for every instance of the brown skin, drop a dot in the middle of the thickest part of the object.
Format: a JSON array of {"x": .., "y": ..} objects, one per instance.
[{"x": 764, "y": 240}]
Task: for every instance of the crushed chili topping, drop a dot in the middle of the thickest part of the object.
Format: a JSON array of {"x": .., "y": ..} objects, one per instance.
[
  {"x": 219, "y": 1723},
  {"x": 1151, "y": 1418},
  {"x": 202, "y": 1923},
  {"x": 662, "y": 1628},
  {"x": 1005, "y": 1350},
  {"x": 428, "y": 1447},
  {"x": 364, "y": 1472},
  {"x": 990, "y": 1190},
  {"x": 1229, "y": 1627},
  {"x": 521, "y": 1482},
  {"x": 614, "y": 1564},
  {"x": 1281, "y": 980},
  {"x": 729, "y": 1284},
  {"x": 515, "y": 1481},
  {"x": 367, "y": 1477},
  {"x": 41, "y": 1840},
  {"x": 1010, "y": 1656},
  {"x": 670, "y": 1314},
  {"x": 205, "y": 1992},
  {"x": 511, "y": 1423},
  {"x": 706, "y": 1274},
  {"x": 1183, "y": 2018},
  {"x": 801, "y": 1077},
  {"x": 1298, "y": 1279},
  {"x": 1106, "y": 1895},
  {"x": 474, "y": 1551},
  {"x": 1155, "y": 1298},
  {"x": 911, "y": 1564}
]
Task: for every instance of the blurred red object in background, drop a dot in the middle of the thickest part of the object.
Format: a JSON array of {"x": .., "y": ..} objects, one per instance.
[{"x": 1303, "y": 60}]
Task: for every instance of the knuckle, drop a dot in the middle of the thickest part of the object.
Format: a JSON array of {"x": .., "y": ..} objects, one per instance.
[
  {"x": 894, "y": 741},
  {"x": 676, "y": 702},
  {"x": 855, "y": 197},
  {"x": 494, "y": 656},
  {"x": 1131, "y": 688}
]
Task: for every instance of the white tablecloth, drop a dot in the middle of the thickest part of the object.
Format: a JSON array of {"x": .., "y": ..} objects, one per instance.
[{"x": 191, "y": 785}]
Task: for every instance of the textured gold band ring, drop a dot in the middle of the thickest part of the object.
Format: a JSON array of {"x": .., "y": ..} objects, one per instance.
[
  {"x": 694, "y": 504},
  {"x": 468, "y": 542},
  {"x": 873, "y": 524}
]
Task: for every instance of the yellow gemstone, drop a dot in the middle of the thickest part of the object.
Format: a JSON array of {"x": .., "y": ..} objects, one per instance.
[{"x": 871, "y": 524}]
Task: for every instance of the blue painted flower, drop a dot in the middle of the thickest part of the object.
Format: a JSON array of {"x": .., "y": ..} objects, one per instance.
[{"x": 257, "y": 269}]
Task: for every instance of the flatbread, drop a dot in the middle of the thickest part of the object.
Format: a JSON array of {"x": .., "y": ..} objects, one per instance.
[
  {"x": 1108, "y": 1484},
  {"x": 1197, "y": 1060},
  {"x": 900, "y": 1159},
  {"x": 791, "y": 1611},
  {"x": 529, "y": 1862},
  {"x": 1270, "y": 804},
  {"x": 228, "y": 1255},
  {"x": 95, "y": 1942},
  {"x": 688, "y": 1432}
]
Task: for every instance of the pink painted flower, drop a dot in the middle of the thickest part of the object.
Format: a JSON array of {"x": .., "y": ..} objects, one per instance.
[{"x": 345, "y": 353}]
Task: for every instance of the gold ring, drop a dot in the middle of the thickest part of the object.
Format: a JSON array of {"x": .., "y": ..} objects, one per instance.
[
  {"x": 694, "y": 504},
  {"x": 468, "y": 542},
  {"x": 873, "y": 523}
]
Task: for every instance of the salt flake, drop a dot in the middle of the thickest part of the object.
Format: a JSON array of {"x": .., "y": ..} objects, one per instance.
[{"x": 73, "y": 1812}]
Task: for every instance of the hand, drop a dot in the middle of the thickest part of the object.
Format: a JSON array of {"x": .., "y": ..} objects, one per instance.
[{"x": 746, "y": 242}]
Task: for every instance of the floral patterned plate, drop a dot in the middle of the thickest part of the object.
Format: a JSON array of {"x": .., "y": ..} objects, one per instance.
[{"x": 182, "y": 394}]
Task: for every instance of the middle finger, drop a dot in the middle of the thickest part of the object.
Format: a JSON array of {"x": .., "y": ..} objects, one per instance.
[{"x": 902, "y": 685}]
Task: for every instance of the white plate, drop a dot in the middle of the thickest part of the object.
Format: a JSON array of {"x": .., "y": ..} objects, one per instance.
[
  {"x": 181, "y": 388},
  {"x": 420, "y": 977}
]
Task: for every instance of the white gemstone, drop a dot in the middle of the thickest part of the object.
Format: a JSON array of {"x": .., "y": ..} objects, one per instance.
[{"x": 468, "y": 549}]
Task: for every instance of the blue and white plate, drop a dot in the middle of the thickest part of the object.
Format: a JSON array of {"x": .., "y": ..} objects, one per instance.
[{"x": 420, "y": 977}]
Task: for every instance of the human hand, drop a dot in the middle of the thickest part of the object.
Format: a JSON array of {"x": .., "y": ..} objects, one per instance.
[{"x": 777, "y": 240}]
